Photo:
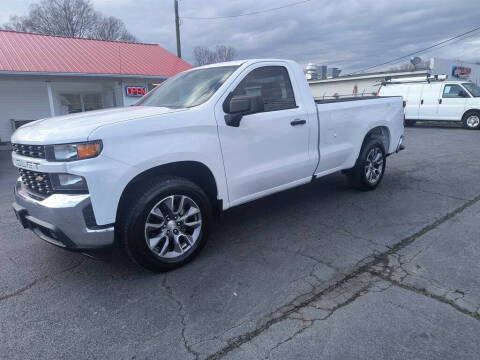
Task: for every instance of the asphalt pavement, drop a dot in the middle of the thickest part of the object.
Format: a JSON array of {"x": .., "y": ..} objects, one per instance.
[{"x": 318, "y": 272}]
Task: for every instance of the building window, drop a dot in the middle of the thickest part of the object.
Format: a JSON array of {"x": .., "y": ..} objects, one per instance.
[
  {"x": 92, "y": 102},
  {"x": 74, "y": 103},
  {"x": 70, "y": 103}
]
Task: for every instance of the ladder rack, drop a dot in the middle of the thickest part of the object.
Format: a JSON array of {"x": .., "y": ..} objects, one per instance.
[{"x": 423, "y": 79}]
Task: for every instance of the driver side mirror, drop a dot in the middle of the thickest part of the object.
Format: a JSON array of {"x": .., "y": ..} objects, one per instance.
[
  {"x": 463, "y": 94},
  {"x": 240, "y": 105}
]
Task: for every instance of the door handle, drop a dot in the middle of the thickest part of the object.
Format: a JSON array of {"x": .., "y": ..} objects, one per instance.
[
  {"x": 421, "y": 102},
  {"x": 298, "y": 122},
  {"x": 439, "y": 101}
]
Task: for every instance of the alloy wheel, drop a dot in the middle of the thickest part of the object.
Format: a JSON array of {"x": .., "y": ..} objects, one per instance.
[
  {"x": 374, "y": 165},
  {"x": 473, "y": 121},
  {"x": 173, "y": 226}
]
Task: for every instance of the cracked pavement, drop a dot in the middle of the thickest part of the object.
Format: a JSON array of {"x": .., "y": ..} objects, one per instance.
[{"x": 321, "y": 271}]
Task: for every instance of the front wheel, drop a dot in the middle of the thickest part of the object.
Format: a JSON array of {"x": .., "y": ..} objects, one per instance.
[
  {"x": 472, "y": 121},
  {"x": 370, "y": 166},
  {"x": 167, "y": 224}
]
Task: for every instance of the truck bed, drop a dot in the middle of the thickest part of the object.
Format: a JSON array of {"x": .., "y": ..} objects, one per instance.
[{"x": 345, "y": 99}]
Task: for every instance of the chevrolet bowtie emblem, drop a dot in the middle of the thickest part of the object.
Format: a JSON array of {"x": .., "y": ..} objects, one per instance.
[{"x": 39, "y": 178}]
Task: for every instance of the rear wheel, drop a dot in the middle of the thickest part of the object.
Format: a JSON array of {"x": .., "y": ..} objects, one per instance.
[
  {"x": 167, "y": 224},
  {"x": 472, "y": 121},
  {"x": 370, "y": 166}
]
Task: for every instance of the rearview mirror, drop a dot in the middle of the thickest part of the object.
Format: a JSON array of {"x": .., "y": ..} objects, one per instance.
[{"x": 240, "y": 105}]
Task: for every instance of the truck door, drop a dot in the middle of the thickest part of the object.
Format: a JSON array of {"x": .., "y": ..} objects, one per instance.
[
  {"x": 269, "y": 148},
  {"x": 413, "y": 100},
  {"x": 429, "y": 102},
  {"x": 453, "y": 102}
]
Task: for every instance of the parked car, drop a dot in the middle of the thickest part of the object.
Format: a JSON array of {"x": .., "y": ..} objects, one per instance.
[
  {"x": 153, "y": 176},
  {"x": 438, "y": 100}
]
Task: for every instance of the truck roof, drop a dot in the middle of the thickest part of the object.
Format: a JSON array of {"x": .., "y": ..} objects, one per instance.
[
  {"x": 447, "y": 81},
  {"x": 240, "y": 62}
]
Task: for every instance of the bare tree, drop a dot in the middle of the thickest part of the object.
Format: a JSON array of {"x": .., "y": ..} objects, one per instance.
[
  {"x": 204, "y": 56},
  {"x": 73, "y": 18},
  {"x": 112, "y": 28},
  {"x": 224, "y": 53}
]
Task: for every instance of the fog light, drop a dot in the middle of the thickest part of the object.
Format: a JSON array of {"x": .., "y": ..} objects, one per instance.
[{"x": 68, "y": 182}]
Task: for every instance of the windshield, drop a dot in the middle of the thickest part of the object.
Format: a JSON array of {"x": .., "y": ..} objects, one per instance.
[
  {"x": 472, "y": 89},
  {"x": 188, "y": 89}
]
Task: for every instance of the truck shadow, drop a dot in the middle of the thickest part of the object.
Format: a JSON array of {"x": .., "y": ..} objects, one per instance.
[{"x": 437, "y": 125}]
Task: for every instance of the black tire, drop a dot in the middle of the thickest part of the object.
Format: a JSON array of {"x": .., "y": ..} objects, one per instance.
[
  {"x": 467, "y": 120},
  {"x": 132, "y": 220},
  {"x": 410, "y": 122},
  {"x": 357, "y": 176}
]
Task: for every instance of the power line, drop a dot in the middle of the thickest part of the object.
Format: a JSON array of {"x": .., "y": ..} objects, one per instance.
[
  {"x": 419, "y": 51},
  {"x": 246, "y": 14}
]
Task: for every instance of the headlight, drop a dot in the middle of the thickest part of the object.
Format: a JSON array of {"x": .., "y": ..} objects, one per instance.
[
  {"x": 68, "y": 182},
  {"x": 78, "y": 151}
]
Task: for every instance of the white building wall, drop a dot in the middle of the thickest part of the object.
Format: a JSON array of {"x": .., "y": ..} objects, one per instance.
[
  {"x": 21, "y": 100},
  {"x": 345, "y": 88},
  {"x": 444, "y": 67},
  {"x": 362, "y": 85}
]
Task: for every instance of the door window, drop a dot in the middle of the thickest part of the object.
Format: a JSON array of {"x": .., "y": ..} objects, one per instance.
[
  {"x": 454, "y": 91},
  {"x": 273, "y": 84}
]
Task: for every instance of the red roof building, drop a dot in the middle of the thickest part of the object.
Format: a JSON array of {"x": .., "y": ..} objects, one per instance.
[{"x": 45, "y": 75}]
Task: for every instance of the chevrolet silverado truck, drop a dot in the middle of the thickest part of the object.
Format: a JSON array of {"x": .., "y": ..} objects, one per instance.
[{"x": 152, "y": 177}]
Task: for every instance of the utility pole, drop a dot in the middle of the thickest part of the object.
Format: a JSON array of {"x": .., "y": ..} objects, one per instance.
[{"x": 177, "y": 26}]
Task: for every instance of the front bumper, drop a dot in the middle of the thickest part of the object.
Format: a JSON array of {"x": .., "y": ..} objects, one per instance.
[{"x": 64, "y": 220}]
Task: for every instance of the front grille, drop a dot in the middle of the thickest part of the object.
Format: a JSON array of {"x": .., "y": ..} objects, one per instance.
[
  {"x": 34, "y": 151},
  {"x": 36, "y": 182}
]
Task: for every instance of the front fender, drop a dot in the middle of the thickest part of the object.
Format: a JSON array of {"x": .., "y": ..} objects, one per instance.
[{"x": 142, "y": 145}]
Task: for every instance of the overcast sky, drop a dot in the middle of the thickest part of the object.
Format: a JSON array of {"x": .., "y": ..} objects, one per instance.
[{"x": 350, "y": 34}]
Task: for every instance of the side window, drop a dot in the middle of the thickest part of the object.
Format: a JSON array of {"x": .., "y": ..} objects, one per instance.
[
  {"x": 454, "y": 91},
  {"x": 273, "y": 84}
]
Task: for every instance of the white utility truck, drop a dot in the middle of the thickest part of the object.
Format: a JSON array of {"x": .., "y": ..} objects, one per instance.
[
  {"x": 436, "y": 98},
  {"x": 151, "y": 177}
]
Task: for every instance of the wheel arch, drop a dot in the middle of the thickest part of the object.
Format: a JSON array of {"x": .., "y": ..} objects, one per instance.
[
  {"x": 194, "y": 171},
  {"x": 470, "y": 111},
  {"x": 381, "y": 133}
]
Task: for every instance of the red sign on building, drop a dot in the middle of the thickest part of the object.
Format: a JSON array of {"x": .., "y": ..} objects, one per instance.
[
  {"x": 461, "y": 72},
  {"x": 136, "y": 91}
]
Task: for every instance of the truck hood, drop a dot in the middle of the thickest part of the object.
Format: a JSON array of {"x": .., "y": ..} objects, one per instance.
[{"x": 77, "y": 127}]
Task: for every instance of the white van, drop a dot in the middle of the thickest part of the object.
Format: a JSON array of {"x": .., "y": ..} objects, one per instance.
[{"x": 438, "y": 100}]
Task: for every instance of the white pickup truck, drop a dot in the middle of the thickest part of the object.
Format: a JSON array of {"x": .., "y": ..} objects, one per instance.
[{"x": 151, "y": 177}]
